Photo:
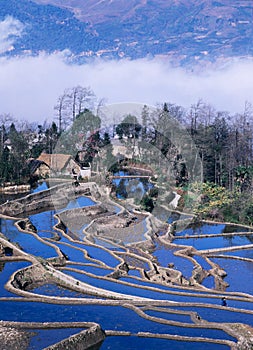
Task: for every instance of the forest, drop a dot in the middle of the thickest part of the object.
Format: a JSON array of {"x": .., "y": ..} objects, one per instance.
[{"x": 170, "y": 139}]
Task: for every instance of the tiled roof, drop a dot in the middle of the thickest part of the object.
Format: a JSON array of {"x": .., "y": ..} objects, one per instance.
[{"x": 56, "y": 162}]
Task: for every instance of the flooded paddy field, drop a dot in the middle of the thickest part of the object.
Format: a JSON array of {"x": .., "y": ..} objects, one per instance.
[{"x": 191, "y": 291}]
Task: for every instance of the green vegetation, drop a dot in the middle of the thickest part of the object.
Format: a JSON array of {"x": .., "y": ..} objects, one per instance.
[
  {"x": 220, "y": 184},
  {"x": 147, "y": 203},
  {"x": 217, "y": 202},
  {"x": 203, "y": 155},
  {"x": 18, "y": 145}
]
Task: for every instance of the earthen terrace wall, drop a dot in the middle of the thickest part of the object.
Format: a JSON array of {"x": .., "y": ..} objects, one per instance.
[{"x": 57, "y": 195}]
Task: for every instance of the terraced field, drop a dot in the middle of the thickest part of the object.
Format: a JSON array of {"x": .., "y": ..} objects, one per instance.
[{"x": 93, "y": 261}]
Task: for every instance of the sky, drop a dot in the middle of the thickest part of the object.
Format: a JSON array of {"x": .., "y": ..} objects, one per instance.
[{"x": 30, "y": 86}]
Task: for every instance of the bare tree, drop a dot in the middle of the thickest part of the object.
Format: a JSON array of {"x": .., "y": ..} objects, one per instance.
[
  {"x": 201, "y": 113},
  {"x": 6, "y": 120},
  {"x": 79, "y": 99},
  {"x": 61, "y": 107},
  {"x": 72, "y": 103}
]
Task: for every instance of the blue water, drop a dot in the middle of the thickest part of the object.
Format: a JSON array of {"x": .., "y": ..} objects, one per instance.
[
  {"x": 165, "y": 255},
  {"x": 40, "y": 187},
  {"x": 130, "y": 290},
  {"x": 102, "y": 255},
  {"x": 234, "y": 269},
  {"x": 54, "y": 290},
  {"x": 120, "y": 318},
  {"x": 136, "y": 343},
  {"x": 72, "y": 253},
  {"x": 135, "y": 273},
  {"x": 214, "y": 242},
  {"x": 202, "y": 261},
  {"x": 130, "y": 187},
  {"x": 46, "y": 337},
  {"x": 209, "y": 282},
  {"x": 75, "y": 254},
  {"x": 202, "y": 229},
  {"x": 98, "y": 271},
  {"x": 169, "y": 316},
  {"x": 116, "y": 319},
  {"x": 43, "y": 221},
  {"x": 27, "y": 241},
  {"x": 8, "y": 269},
  {"x": 220, "y": 315},
  {"x": 169, "y": 288},
  {"x": 79, "y": 202},
  {"x": 243, "y": 253}
]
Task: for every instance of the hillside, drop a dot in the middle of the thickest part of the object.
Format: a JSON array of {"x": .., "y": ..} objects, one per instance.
[{"x": 184, "y": 30}]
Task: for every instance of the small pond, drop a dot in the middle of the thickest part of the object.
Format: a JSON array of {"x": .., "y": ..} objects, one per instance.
[{"x": 130, "y": 187}]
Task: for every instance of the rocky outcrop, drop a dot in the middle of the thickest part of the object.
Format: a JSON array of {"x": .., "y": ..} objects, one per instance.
[{"x": 219, "y": 275}]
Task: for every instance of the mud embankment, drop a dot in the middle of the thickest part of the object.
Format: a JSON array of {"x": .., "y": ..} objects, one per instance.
[
  {"x": 17, "y": 335},
  {"x": 55, "y": 197},
  {"x": 14, "y": 189},
  {"x": 81, "y": 341}
]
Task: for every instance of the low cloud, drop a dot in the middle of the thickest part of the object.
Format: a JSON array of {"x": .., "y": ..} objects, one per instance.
[
  {"x": 30, "y": 86},
  {"x": 10, "y": 30}
]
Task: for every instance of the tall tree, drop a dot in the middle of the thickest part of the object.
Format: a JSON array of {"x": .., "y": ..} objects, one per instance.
[
  {"x": 71, "y": 141},
  {"x": 72, "y": 103},
  {"x": 52, "y": 136},
  {"x": 80, "y": 99},
  {"x": 61, "y": 109},
  {"x": 129, "y": 128}
]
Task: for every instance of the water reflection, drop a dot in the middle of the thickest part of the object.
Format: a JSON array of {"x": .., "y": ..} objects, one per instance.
[
  {"x": 117, "y": 317},
  {"x": 130, "y": 187}
]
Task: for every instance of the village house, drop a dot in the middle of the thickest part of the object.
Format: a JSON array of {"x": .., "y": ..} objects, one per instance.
[
  {"x": 38, "y": 168},
  {"x": 61, "y": 165},
  {"x": 123, "y": 150}
]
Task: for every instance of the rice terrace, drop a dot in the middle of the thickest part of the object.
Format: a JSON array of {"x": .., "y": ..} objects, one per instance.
[{"x": 122, "y": 256}]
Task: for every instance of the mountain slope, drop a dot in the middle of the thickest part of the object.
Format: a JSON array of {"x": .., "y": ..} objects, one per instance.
[
  {"x": 184, "y": 30},
  {"x": 47, "y": 28}
]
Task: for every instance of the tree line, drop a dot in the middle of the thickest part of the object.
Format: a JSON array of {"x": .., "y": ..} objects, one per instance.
[
  {"x": 224, "y": 142},
  {"x": 182, "y": 145},
  {"x": 171, "y": 139}
]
